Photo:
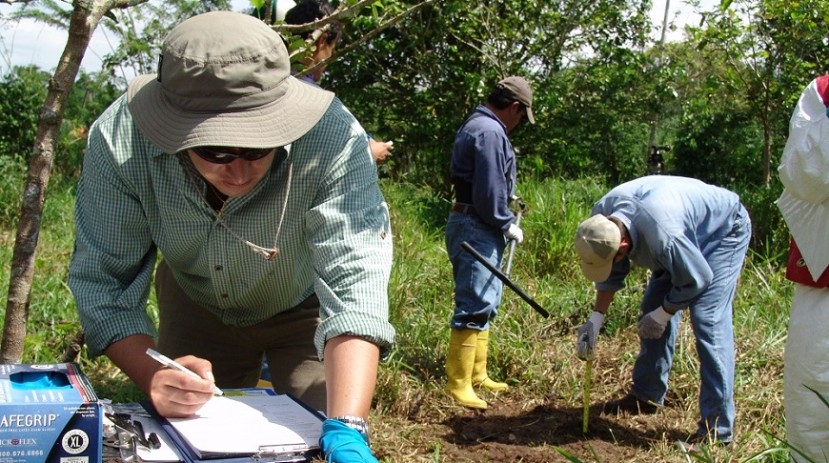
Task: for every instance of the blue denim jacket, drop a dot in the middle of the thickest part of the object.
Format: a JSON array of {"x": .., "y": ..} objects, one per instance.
[
  {"x": 483, "y": 156},
  {"x": 673, "y": 223}
]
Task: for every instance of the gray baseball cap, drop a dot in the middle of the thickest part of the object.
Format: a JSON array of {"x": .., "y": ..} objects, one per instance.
[{"x": 520, "y": 89}]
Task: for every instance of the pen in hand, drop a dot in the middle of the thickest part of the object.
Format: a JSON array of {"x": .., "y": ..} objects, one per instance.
[{"x": 168, "y": 362}]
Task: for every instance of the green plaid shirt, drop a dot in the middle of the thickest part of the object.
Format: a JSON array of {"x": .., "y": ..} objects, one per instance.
[{"x": 134, "y": 201}]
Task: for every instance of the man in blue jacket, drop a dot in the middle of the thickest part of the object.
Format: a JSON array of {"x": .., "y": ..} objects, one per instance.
[
  {"x": 483, "y": 174},
  {"x": 693, "y": 238}
]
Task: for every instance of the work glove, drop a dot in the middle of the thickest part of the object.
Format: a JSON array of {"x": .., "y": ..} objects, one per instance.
[
  {"x": 342, "y": 444},
  {"x": 652, "y": 324},
  {"x": 514, "y": 233},
  {"x": 586, "y": 335}
]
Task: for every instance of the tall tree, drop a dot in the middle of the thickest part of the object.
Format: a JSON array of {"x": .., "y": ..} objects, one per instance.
[
  {"x": 773, "y": 48},
  {"x": 85, "y": 17}
]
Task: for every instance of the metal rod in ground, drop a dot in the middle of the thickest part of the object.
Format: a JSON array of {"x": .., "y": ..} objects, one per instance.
[
  {"x": 588, "y": 373},
  {"x": 504, "y": 279}
]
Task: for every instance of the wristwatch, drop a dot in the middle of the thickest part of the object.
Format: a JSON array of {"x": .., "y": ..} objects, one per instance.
[{"x": 356, "y": 423}]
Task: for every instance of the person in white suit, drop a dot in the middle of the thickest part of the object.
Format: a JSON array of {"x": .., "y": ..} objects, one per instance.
[{"x": 804, "y": 172}]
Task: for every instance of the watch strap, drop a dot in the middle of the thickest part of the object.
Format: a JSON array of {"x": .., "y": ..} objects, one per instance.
[{"x": 356, "y": 423}]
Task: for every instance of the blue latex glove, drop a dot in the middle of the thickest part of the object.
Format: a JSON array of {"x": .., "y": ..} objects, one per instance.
[{"x": 342, "y": 444}]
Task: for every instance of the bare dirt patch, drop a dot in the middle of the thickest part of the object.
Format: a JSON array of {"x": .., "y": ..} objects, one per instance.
[{"x": 509, "y": 431}]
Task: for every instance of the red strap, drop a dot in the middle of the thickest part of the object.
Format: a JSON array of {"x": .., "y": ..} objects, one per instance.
[
  {"x": 797, "y": 271},
  {"x": 823, "y": 88}
]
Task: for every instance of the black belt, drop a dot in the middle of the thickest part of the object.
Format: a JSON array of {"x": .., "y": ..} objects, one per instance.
[{"x": 464, "y": 209}]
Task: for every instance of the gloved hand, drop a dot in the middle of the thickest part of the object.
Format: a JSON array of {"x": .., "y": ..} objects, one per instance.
[
  {"x": 652, "y": 324},
  {"x": 586, "y": 335},
  {"x": 342, "y": 444},
  {"x": 514, "y": 233}
]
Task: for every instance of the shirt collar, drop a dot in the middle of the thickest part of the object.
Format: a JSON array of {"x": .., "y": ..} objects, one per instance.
[{"x": 488, "y": 112}]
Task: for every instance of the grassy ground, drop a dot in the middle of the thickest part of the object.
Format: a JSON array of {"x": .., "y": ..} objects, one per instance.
[
  {"x": 536, "y": 354},
  {"x": 413, "y": 421}
]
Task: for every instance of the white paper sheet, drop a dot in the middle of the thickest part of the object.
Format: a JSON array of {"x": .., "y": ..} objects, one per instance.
[{"x": 250, "y": 425}]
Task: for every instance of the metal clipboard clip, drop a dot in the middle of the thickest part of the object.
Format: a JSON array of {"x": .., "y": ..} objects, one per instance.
[
  {"x": 134, "y": 429},
  {"x": 282, "y": 453}
]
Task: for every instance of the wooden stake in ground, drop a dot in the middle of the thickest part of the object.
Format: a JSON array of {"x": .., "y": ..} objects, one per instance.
[{"x": 588, "y": 373}]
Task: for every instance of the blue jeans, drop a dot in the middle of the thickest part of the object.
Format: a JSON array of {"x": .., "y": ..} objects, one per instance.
[
  {"x": 711, "y": 319},
  {"x": 477, "y": 290}
]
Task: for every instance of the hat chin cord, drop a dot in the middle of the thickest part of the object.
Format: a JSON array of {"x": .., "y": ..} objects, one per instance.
[
  {"x": 273, "y": 252},
  {"x": 268, "y": 253}
]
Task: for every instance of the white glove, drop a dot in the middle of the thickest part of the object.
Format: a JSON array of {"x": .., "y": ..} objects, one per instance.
[
  {"x": 652, "y": 324},
  {"x": 586, "y": 335},
  {"x": 514, "y": 233}
]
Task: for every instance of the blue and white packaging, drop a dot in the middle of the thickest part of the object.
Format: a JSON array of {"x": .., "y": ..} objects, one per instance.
[{"x": 48, "y": 413}]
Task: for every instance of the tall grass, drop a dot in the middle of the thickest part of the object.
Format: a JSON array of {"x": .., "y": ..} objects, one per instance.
[{"x": 535, "y": 355}]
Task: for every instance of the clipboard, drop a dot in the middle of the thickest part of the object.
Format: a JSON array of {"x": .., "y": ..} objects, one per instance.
[{"x": 278, "y": 409}]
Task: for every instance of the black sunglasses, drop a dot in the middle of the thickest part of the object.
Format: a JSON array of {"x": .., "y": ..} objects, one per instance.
[{"x": 219, "y": 155}]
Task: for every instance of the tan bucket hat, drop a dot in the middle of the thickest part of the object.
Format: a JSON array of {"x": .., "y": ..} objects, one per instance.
[{"x": 224, "y": 80}]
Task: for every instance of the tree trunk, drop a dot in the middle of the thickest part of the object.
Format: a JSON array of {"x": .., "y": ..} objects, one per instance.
[
  {"x": 767, "y": 132},
  {"x": 85, "y": 18}
]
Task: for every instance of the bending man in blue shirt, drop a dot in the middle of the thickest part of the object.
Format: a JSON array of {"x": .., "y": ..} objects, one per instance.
[
  {"x": 693, "y": 238},
  {"x": 483, "y": 173}
]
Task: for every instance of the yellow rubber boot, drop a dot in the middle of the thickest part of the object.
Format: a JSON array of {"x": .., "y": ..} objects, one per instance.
[
  {"x": 479, "y": 375},
  {"x": 460, "y": 359}
]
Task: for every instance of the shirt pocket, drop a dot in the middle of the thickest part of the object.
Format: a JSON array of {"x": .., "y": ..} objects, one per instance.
[{"x": 378, "y": 219}]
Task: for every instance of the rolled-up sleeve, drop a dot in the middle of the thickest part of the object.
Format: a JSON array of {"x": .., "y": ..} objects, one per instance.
[
  {"x": 112, "y": 263},
  {"x": 350, "y": 233}
]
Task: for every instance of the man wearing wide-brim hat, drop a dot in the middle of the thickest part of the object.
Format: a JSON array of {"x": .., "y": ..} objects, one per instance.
[{"x": 258, "y": 193}]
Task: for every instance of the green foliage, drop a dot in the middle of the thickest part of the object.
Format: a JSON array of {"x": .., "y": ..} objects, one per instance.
[
  {"x": 770, "y": 235},
  {"x": 12, "y": 176},
  {"x": 769, "y": 49},
  {"x": 719, "y": 147},
  {"x": 141, "y": 30},
  {"x": 22, "y": 93},
  {"x": 417, "y": 82},
  {"x": 600, "y": 111},
  {"x": 90, "y": 96},
  {"x": 51, "y": 12},
  {"x": 723, "y": 97}
]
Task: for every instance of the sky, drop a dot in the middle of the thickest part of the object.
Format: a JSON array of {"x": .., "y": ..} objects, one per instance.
[{"x": 28, "y": 42}]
